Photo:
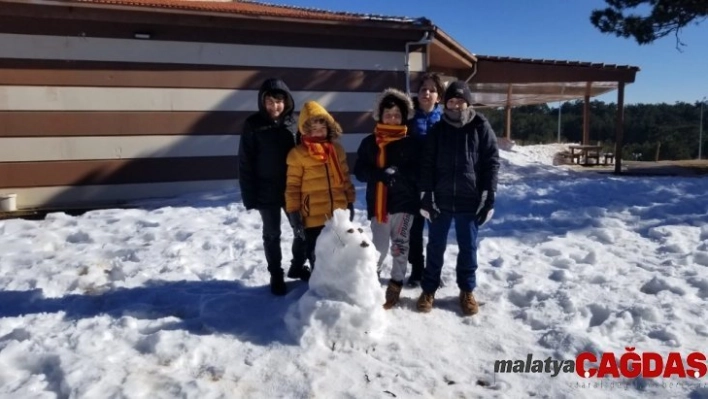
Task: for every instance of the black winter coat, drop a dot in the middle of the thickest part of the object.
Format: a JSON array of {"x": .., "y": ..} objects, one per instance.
[
  {"x": 458, "y": 164},
  {"x": 263, "y": 148},
  {"x": 403, "y": 195}
]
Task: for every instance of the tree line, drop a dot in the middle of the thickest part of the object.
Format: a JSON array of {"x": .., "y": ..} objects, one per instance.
[{"x": 670, "y": 130}]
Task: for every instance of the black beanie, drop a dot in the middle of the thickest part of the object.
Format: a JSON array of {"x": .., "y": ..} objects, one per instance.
[
  {"x": 459, "y": 89},
  {"x": 390, "y": 100}
]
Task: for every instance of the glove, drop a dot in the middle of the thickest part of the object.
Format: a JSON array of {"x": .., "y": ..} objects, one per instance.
[
  {"x": 387, "y": 176},
  {"x": 427, "y": 206},
  {"x": 296, "y": 223},
  {"x": 486, "y": 208},
  {"x": 350, "y": 206}
]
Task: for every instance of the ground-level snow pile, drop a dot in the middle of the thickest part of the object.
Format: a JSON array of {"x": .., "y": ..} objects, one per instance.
[
  {"x": 531, "y": 162},
  {"x": 533, "y": 154},
  {"x": 344, "y": 302}
]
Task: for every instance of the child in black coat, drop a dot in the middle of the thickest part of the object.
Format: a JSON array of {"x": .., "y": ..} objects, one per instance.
[
  {"x": 387, "y": 161},
  {"x": 267, "y": 137}
]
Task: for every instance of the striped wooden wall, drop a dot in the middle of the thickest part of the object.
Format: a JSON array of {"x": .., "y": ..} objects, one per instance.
[{"x": 93, "y": 120}]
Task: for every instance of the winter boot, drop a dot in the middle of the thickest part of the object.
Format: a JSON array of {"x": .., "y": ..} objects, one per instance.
[
  {"x": 468, "y": 303},
  {"x": 301, "y": 272},
  {"x": 393, "y": 293},
  {"x": 277, "y": 285},
  {"x": 416, "y": 276},
  {"x": 305, "y": 273},
  {"x": 425, "y": 302}
]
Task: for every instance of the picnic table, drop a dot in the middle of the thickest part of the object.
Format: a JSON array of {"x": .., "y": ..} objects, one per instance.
[{"x": 584, "y": 153}]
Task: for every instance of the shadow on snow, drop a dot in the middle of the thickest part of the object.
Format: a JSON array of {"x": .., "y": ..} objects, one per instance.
[{"x": 201, "y": 307}]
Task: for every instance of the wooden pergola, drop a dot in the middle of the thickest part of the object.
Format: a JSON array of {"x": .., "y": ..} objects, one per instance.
[{"x": 509, "y": 81}]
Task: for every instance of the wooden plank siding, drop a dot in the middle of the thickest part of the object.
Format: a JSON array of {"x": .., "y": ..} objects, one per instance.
[{"x": 101, "y": 118}]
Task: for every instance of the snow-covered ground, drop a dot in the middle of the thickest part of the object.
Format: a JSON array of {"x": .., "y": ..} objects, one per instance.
[{"x": 171, "y": 300}]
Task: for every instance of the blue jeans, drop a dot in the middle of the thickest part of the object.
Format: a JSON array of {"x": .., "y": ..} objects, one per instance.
[{"x": 466, "y": 233}]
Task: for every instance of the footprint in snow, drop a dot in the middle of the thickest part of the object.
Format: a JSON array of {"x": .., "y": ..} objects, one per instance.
[
  {"x": 702, "y": 286},
  {"x": 183, "y": 235},
  {"x": 599, "y": 314},
  {"x": 672, "y": 249},
  {"x": 701, "y": 258},
  {"x": 526, "y": 299},
  {"x": 644, "y": 313},
  {"x": 147, "y": 224},
  {"x": 565, "y": 302},
  {"x": 560, "y": 276},
  {"x": 79, "y": 237},
  {"x": 551, "y": 252},
  {"x": 646, "y": 267},
  {"x": 701, "y": 330},
  {"x": 599, "y": 279},
  {"x": 562, "y": 263},
  {"x": 126, "y": 255},
  {"x": 514, "y": 278},
  {"x": 665, "y": 336},
  {"x": 230, "y": 221},
  {"x": 656, "y": 285}
]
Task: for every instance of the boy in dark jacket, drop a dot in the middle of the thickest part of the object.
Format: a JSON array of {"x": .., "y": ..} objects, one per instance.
[
  {"x": 267, "y": 137},
  {"x": 387, "y": 161},
  {"x": 459, "y": 171}
]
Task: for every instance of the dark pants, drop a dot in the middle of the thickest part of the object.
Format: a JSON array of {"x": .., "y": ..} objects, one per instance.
[
  {"x": 311, "y": 234},
  {"x": 415, "y": 254},
  {"x": 271, "y": 242},
  {"x": 466, "y": 233}
]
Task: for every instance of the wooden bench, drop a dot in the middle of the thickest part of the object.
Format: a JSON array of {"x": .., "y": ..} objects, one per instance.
[
  {"x": 585, "y": 153},
  {"x": 565, "y": 157},
  {"x": 609, "y": 158},
  {"x": 592, "y": 154}
]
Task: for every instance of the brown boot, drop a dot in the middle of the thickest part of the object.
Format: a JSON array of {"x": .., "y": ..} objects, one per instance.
[
  {"x": 468, "y": 303},
  {"x": 425, "y": 302},
  {"x": 393, "y": 293}
]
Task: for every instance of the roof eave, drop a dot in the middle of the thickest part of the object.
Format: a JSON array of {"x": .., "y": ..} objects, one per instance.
[
  {"x": 453, "y": 45},
  {"x": 372, "y": 21}
]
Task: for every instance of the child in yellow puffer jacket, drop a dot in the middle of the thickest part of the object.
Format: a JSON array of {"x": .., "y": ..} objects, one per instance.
[{"x": 318, "y": 179}]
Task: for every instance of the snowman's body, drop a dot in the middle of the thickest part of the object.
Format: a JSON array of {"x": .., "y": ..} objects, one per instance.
[{"x": 343, "y": 302}]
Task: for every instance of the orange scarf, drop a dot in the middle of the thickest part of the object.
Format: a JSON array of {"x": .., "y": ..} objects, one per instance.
[
  {"x": 323, "y": 150},
  {"x": 384, "y": 134}
]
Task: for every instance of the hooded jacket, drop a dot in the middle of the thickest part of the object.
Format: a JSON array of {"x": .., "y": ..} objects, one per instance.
[
  {"x": 403, "y": 195},
  {"x": 313, "y": 187},
  {"x": 263, "y": 148}
]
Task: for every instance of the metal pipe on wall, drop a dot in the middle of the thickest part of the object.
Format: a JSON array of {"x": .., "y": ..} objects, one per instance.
[{"x": 426, "y": 39}]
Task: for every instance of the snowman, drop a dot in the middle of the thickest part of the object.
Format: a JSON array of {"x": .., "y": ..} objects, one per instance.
[{"x": 343, "y": 302}]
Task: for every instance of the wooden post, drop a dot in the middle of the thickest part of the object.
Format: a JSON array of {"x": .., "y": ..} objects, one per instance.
[
  {"x": 658, "y": 149},
  {"x": 619, "y": 128},
  {"x": 586, "y": 115},
  {"x": 507, "y": 114}
]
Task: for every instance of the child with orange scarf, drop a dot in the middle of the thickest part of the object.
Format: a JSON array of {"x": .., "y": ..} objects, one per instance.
[
  {"x": 387, "y": 161},
  {"x": 318, "y": 179}
]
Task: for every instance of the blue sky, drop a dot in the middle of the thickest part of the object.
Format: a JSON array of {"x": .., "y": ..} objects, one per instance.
[{"x": 557, "y": 29}]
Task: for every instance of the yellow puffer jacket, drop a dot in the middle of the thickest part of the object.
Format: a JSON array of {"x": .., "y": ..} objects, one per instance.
[{"x": 312, "y": 186}]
